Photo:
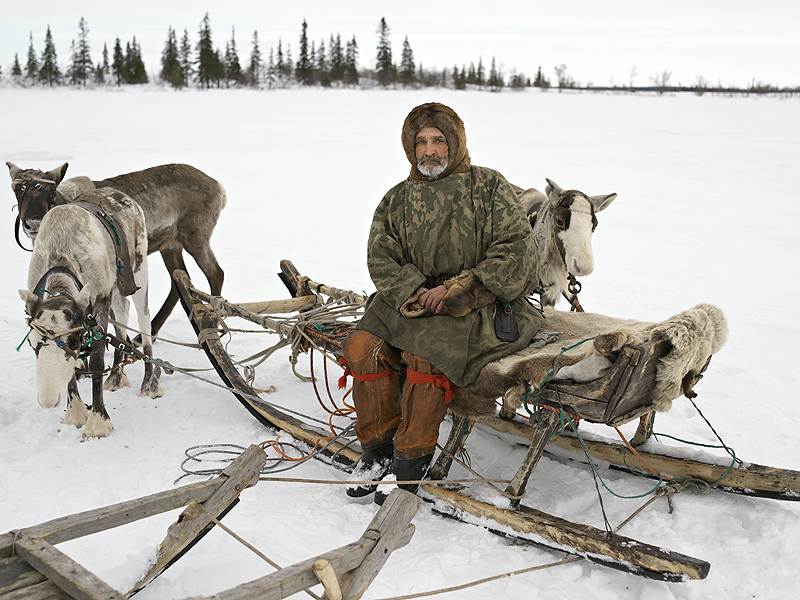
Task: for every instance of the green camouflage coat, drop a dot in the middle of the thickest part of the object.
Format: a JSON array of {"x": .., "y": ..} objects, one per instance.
[{"x": 427, "y": 229}]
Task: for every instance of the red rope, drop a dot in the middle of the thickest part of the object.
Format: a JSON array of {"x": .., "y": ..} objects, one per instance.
[
  {"x": 358, "y": 376},
  {"x": 441, "y": 381}
]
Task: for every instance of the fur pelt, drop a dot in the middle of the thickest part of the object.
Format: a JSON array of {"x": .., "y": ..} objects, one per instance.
[
  {"x": 450, "y": 124},
  {"x": 695, "y": 335}
]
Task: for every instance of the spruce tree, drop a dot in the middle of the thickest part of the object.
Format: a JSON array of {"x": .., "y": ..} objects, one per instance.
[
  {"x": 81, "y": 60},
  {"x": 407, "y": 69},
  {"x": 103, "y": 69},
  {"x": 209, "y": 65},
  {"x": 16, "y": 70},
  {"x": 233, "y": 69},
  {"x": 495, "y": 78},
  {"x": 256, "y": 64},
  {"x": 118, "y": 64},
  {"x": 49, "y": 72},
  {"x": 384, "y": 67},
  {"x": 185, "y": 58},
  {"x": 322, "y": 66},
  {"x": 272, "y": 74},
  {"x": 303, "y": 70},
  {"x": 336, "y": 62},
  {"x": 171, "y": 71},
  {"x": 480, "y": 74},
  {"x": 135, "y": 65},
  {"x": 351, "y": 63},
  {"x": 32, "y": 66}
]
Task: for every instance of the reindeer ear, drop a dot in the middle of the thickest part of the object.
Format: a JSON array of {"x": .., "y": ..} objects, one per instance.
[
  {"x": 553, "y": 190},
  {"x": 532, "y": 201},
  {"x": 13, "y": 169},
  {"x": 83, "y": 298},
  {"x": 602, "y": 202},
  {"x": 30, "y": 301},
  {"x": 58, "y": 173}
]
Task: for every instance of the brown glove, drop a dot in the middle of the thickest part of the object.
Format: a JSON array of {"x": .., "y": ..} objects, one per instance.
[{"x": 465, "y": 293}]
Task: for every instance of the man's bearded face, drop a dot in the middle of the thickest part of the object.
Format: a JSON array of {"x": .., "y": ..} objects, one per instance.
[{"x": 431, "y": 151}]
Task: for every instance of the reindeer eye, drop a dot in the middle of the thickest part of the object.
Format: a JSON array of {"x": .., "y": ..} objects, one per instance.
[
  {"x": 68, "y": 315},
  {"x": 559, "y": 222}
]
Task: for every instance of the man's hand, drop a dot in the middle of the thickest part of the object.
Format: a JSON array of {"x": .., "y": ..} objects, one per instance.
[{"x": 433, "y": 300}]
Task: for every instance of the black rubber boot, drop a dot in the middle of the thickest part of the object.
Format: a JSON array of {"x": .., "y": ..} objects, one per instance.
[
  {"x": 412, "y": 469},
  {"x": 372, "y": 466}
]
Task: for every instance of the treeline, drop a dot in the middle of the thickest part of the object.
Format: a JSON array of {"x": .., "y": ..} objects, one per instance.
[{"x": 323, "y": 62}]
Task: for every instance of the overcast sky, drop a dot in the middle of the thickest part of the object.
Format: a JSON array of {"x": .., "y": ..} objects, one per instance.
[{"x": 732, "y": 42}]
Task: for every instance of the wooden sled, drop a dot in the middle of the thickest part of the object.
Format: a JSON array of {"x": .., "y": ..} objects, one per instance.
[
  {"x": 624, "y": 394},
  {"x": 32, "y": 568}
]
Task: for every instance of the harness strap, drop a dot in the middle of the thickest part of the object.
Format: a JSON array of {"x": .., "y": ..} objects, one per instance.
[
  {"x": 125, "y": 282},
  {"x": 39, "y": 290},
  {"x": 441, "y": 381},
  {"x": 359, "y": 376}
]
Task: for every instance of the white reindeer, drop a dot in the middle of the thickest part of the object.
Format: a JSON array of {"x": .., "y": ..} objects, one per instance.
[
  {"x": 563, "y": 223},
  {"x": 72, "y": 284}
]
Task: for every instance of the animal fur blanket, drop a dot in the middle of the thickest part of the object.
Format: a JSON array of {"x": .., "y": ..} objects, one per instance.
[{"x": 694, "y": 334}]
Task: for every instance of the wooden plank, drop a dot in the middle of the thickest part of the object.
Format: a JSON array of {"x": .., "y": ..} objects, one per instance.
[
  {"x": 194, "y": 521},
  {"x": 85, "y": 523},
  {"x": 308, "y": 286},
  {"x": 267, "y": 414},
  {"x": 15, "y": 573},
  {"x": 393, "y": 529},
  {"x": 45, "y": 590},
  {"x": 782, "y": 483},
  {"x": 548, "y": 422},
  {"x": 587, "y": 541},
  {"x": 459, "y": 432},
  {"x": 68, "y": 575},
  {"x": 389, "y": 529}
]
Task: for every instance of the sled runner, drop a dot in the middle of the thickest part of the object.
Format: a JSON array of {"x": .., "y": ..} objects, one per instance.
[{"x": 623, "y": 393}]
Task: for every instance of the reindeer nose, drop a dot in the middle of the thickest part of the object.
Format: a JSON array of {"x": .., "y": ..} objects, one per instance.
[{"x": 581, "y": 269}]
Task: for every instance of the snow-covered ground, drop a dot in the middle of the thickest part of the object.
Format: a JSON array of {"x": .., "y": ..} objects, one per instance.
[{"x": 706, "y": 212}]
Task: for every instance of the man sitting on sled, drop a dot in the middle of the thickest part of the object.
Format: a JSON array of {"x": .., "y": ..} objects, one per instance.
[{"x": 452, "y": 256}]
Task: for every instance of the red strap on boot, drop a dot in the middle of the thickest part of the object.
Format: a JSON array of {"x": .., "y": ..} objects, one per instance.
[
  {"x": 441, "y": 381},
  {"x": 359, "y": 377}
]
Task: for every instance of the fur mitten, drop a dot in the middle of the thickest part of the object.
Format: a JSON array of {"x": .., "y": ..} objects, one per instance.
[
  {"x": 465, "y": 293},
  {"x": 411, "y": 308}
]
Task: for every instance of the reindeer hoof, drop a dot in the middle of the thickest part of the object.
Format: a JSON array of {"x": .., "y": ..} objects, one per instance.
[
  {"x": 116, "y": 380},
  {"x": 76, "y": 414},
  {"x": 97, "y": 426},
  {"x": 154, "y": 391}
]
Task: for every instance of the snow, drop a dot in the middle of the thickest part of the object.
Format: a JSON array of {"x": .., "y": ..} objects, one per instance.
[{"x": 705, "y": 212}]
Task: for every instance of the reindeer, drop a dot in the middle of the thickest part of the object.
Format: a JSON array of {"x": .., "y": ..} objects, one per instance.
[
  {"x": 563, "y": 223},
  {"x": 181, "y": 206},
  {"x": 73, "y": 283}
]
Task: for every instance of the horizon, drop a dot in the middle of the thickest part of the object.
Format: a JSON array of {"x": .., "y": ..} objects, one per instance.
[{"x": 727, "y": 43}]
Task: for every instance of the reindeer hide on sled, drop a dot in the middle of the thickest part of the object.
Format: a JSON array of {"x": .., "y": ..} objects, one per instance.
[{"x": 694, "y": 335}]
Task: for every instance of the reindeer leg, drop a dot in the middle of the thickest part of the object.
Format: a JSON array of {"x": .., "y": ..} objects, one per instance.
[
  {"x": 173, "y": 259},
  {"x": 200, "y": 251},
  {"x": 150, "y": 384},
  {"x": 76, "y": 413},
  {"x": 99, "y": 423},
  {"x": 117, "y": 379}
]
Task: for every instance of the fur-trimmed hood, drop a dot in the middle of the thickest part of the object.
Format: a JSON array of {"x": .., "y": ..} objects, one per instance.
[{"x": 450, "y": 124}]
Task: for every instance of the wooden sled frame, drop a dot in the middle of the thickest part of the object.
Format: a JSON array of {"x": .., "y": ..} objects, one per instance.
[
  {"x": 531, "y": 525},
  {"x": 31, "y": 566}
]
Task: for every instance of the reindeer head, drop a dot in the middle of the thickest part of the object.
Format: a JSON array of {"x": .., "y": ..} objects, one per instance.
[
  {"x": 57, "y": 326},
  {"x": 35, "y": 191}
]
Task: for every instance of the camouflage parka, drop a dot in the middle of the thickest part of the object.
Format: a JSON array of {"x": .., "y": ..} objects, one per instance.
[{"x": 423, "y": 230}]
